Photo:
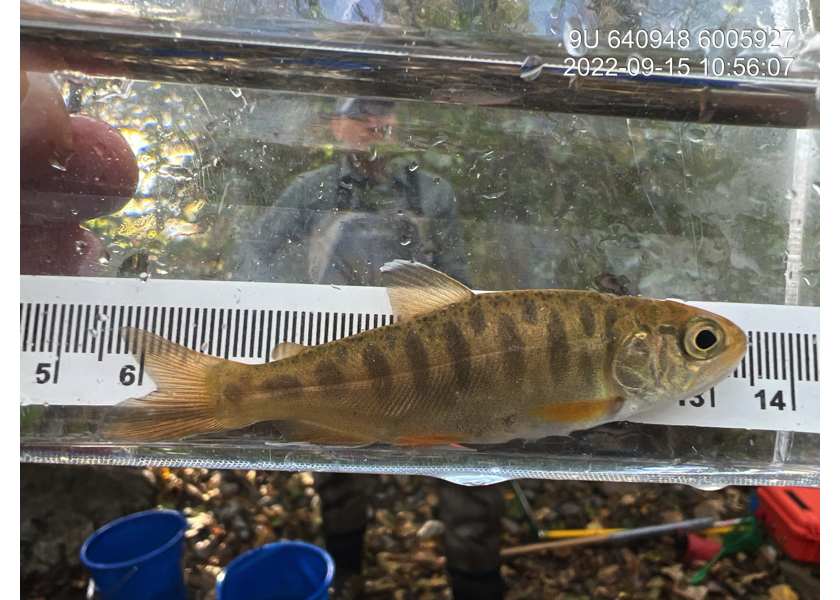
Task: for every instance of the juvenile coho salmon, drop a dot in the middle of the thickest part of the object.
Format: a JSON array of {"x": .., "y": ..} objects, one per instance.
[{"x": 455, "y": 367}]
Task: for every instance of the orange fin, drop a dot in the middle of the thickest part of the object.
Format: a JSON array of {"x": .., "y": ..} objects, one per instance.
[
  {"x": 415, "y": 289},
  {"x": 181, "y": 406},
  {"x": 287, "y": 349},
  {"x": 580, "y": 411},
  {"x": 423, "y": 441}
]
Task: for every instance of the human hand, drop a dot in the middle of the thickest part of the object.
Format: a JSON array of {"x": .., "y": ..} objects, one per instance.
[{"x": 73, "y": 168}]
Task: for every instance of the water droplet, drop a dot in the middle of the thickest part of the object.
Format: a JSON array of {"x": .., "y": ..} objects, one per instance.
[
  {"x": 205, "y": 346},
  {"x": 695, "y": 135},
  {"x": 55, "y": 164},
  {"x": 816, "y": 187},
  {"x": 103, "y": 318},
  {"x": 790, "y": 195},
  {"x": 487, "y": 155},
  {"x": 531, "y": 68},
  {"x": 413, "y": 166},
  {"x": 386, "y": 132},
  {"x": 439, "y": 140},
  {"x": 405, "y": 240},
  {"x": 346, "y": 185},
  {"x": 575, "y": 82},
  {"x": 237, "y": 93},
  {"x": 144, "y": 276},
  {"x": 555, "y": 27},
  {"x": 74, "y": 210},
  {"x": 437, "y": 180},
  {"x": 80, "y": 246},
  {"x": 475, "y": 479},
  {"x": 574, "y": 45},
  {"x": 400, "y": 212}
]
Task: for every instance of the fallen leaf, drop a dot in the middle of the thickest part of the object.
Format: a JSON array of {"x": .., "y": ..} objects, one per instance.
[
  {"x": 747, "y": 579},
  {"x": 675, "y": 572},
  {"x": 783, "y": 592}
]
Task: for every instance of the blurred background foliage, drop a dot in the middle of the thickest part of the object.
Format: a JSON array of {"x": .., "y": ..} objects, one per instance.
[{"x": 682, "y": 209}]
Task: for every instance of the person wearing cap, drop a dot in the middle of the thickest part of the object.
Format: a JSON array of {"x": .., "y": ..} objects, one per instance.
[
  {"x": 338, "y": 225},
  {"x": 326, "y": 226}
]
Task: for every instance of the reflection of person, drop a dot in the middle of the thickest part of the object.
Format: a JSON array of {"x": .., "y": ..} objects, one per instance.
[
  {"x": 338, "y": 225},
  {"x": 72, "y": 168}
]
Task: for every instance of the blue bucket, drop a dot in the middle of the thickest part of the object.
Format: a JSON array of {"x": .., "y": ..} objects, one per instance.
[
  {"x": 279, "y": 571},
  {"x": 139, "y": 557}
]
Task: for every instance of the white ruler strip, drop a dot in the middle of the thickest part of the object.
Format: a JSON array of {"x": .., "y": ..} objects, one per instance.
[{"x": 71, "y": 353}]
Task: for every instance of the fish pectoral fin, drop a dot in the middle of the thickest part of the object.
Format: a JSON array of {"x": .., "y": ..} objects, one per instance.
[
  {"x": 286, "y": 350},
  {"x": 424, "y": 441},
  {"x": 579, "y": 410},
  {"x": 416, "y": 289},
  {"x": 301, "y": 431}
]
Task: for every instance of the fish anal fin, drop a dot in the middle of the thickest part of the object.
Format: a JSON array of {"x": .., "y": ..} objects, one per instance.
[
  {"x": 301, "y": 431},
  {"x": 286, "y": 350},
  {"x": 579, "y": 411},
  {"x": 160, "y": 417},
  {"x": 425, "y": 441},
  {"x": 415, "y": 289}
]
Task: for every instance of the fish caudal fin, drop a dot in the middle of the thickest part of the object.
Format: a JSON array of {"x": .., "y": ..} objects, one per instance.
[{"x": 182, "y": 405}]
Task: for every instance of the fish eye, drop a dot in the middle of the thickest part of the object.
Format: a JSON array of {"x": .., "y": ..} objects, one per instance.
[{"x": 703, "y": 339}]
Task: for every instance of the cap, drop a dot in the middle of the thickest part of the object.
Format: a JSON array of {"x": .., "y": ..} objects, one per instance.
[{"x": 363, "y": 107}]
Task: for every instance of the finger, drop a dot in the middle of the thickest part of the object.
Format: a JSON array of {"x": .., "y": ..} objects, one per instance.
[
  {"x": 46, "y": 140},
  {"x": 60, "y": 249},
  {"x": 99, "y": 179}
]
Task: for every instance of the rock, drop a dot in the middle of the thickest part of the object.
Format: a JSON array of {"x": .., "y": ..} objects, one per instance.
[
  {"x": 62, "y": 505},
  {"x": 569, "y": 509},
  {"x": 628, "y": 500},
  {"x": 389, "y": 544},
  {"x": 431, "y": 529},
  {"x": 608, "y": 574},
  {"x": 510, "y": 526}
]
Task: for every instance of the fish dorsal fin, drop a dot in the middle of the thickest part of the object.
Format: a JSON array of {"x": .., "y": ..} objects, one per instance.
[
  {"x": 415, "y": 289},
  {"x": 287, "y": 349}
]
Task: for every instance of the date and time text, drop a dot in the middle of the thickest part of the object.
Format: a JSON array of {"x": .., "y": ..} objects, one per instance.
[{"x": 769, "y": 46}]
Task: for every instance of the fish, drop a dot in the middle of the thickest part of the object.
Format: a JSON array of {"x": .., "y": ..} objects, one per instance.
[{"x": 454, "y": 367}]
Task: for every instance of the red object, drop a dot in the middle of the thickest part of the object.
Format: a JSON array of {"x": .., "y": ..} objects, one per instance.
[
  {"x": 691, "y": 547},
  {"x": 792, "y": 516}
]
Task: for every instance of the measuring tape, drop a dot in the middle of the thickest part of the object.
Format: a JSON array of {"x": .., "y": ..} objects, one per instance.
[{"x": 71, "y": 352}]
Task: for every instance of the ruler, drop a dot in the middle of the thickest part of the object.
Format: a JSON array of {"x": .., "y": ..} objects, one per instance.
[{"x": 71, "y": 352}]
